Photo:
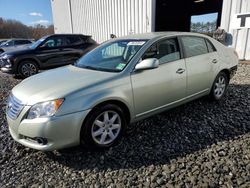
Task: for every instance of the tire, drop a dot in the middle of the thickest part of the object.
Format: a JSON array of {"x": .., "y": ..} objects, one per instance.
[
  {"x": 27, "y": 68},
  {"x": 99, "y": 130},
  {"x": 219, "y": 87}
]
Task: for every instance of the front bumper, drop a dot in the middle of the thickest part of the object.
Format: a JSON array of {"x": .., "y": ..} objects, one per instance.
[
  {"x": 5, "y": 66},
  {"x": 59, "y": 132},
  {"x": 6, "y": 70}
]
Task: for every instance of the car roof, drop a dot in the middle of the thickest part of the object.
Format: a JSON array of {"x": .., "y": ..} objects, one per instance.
[
  {"x": 17, "y": 39},
  {"x": 155, "y": 35},
  {"x": 69, "y": 35}
]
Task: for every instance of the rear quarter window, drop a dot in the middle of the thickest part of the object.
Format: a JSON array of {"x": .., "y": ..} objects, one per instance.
[{"x": 194, "y": 46}]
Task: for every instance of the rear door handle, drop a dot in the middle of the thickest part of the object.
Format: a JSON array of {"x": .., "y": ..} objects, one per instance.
[
  {"x": 214, "y": 61},
  {"x": 180, "y": 71}
]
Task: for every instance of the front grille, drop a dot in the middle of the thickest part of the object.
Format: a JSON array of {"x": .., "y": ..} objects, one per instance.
[
  {"x": 14, "y": 107},
  {"x": 2, "y": 63}
]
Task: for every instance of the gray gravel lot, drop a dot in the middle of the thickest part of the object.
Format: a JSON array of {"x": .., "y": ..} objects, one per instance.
[{"x": 200, "y": 144}]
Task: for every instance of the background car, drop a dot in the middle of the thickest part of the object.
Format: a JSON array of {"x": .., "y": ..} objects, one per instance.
[
  {"x": 48, "y": 52},
  {"x": 120, "y": 82},
  {"x": 2, "y": 41},
  {"x": 12, "y": 44}
]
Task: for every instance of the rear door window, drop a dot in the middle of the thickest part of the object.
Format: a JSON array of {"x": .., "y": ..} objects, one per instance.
[
  {"x": 73, "y": 41},
  {"x": 194, "y": 46}
]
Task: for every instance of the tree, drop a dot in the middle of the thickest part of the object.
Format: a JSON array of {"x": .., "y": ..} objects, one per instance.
[
  {"x": 202, "y": 27},
  {"x": 15, "y": 29}
]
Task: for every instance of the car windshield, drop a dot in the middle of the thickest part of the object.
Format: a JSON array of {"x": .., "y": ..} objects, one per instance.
[
  {"x": 37, "y": 43},
  {"x": 111, "y": 56}
]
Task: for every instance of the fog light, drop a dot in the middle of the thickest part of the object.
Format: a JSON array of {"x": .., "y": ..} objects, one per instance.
[
  {"x": 38, "y": 140},
  {"x": 42, "y": 141}
]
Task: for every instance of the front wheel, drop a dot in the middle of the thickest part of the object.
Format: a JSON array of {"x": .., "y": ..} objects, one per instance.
[
  {"x": 103, "y": 127},
  {"x": 219, "y": 87},
  {"x": 27, "y": 68}
]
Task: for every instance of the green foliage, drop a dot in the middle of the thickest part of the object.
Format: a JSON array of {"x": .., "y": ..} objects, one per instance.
[{"x": 202, "y": 27}]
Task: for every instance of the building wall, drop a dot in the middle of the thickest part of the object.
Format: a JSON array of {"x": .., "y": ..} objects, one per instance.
[
  {"x": 101, "y": 18},
  {"x": 61, "y": 16},
  {"x": 241, "y": 37}
]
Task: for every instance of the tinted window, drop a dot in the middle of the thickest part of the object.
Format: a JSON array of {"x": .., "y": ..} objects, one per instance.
[
  {"x": 194, "y": 46},
  {"x": 71, "y": 40},
  {"x": 20, "y": 42},
  {"x": 166, "y": 51},
  {"x": 53, "y": 42},
  {"x": 210, "y": 46}
]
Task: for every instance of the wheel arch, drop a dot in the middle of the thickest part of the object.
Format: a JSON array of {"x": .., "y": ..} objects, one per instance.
[
  {"x": 119, "y": 103},
  {"x": 28, "y": 59},
  {"x": 227, "y": 72}
]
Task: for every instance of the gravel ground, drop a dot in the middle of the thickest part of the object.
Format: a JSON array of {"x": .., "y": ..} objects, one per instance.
[{"x": 200, "y": 144}]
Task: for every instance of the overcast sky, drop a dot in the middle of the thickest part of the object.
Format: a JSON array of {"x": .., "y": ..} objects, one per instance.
[{"x": 204, "y": 18}]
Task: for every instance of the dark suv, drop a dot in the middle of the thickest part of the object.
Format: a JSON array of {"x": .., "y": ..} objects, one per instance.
[{"x": 48, "y": 52}]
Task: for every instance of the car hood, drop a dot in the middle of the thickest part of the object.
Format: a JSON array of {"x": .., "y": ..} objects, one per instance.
[
  {"x": 19, "y": 50},
  {"x": 57, "y": 83}
]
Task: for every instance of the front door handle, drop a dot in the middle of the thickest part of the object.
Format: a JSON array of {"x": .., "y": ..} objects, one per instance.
[
  {"x": 214, "y": 61},
  {"x": 180, "y": 71}
]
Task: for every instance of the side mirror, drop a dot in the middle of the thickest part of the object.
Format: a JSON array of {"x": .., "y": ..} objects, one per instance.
[{"x": 150, "y": 63}]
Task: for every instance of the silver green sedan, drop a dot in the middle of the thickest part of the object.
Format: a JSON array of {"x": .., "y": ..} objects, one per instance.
[{"x": 121, "y": 81}]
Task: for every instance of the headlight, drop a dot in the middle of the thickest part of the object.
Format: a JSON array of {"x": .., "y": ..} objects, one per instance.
[
  {"x": 7, "y": 59},
  {"x": 45, "y": 109},
  {"x": 6, "y": 56}
]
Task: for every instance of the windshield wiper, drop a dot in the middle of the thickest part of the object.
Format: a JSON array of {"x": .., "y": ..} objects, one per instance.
[
  {"x": 88, "y": 67},
  {"x": 96, "y": 68}
]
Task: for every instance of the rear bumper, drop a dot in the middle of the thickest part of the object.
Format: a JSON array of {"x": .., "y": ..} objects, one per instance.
[{"x": 58, "y": 132}]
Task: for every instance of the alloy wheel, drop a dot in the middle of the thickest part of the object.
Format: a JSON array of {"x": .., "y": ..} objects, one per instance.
[
  {"x": 106, "y": 127},
  {"x": 220, "y": 86},
  {"x": 28, "y": 69}
]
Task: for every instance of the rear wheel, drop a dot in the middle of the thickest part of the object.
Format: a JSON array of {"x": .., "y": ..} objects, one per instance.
[
  {"x": 103, "y": 127},
  {"x": 219, "y": 86},
  {"x": 27, "y": 68}
]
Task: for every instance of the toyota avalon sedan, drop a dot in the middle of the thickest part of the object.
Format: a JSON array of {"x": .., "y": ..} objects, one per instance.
[{"x": 122, "y": 81}]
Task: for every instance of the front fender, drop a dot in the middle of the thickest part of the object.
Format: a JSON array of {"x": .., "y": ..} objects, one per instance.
[{"x": 84, "y": 100}]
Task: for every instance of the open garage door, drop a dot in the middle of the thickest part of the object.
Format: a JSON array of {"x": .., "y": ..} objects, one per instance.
[{"x": 175, "y": 15}]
